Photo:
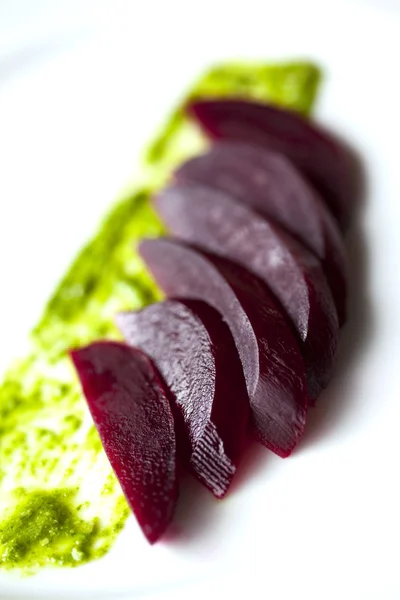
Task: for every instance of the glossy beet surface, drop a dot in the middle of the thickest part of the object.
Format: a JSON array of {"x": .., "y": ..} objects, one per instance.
[
  {"x": 214, "y": 221},
  {"x": 269, "y": 183},
  {"x": 196, "y": 355},
  {"x": 316, "y": 153},
  {"x": 272, "y": 363},
  {"x": 133, "y": 416}
]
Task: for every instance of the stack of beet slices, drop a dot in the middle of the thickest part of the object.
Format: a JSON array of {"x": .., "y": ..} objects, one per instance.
[{"x": 255, "y": 276}]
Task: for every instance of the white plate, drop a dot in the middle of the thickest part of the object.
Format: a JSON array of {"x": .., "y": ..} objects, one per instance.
[{"x": 80, "y": 94}]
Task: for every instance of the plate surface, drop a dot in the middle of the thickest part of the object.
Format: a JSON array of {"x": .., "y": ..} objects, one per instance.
[{"x": 80, "y": 94}]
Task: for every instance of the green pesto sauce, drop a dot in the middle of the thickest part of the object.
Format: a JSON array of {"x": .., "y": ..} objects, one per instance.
[
  {"x": 46, "y": 529},
  {"x": 60, "y": 503}
]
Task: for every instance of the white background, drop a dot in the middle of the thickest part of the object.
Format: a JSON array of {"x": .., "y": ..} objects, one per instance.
[{"x": 82, "y": 87}]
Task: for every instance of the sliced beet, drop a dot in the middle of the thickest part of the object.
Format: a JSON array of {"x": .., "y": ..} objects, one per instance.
[
  {"x": 315, "y": 152},
  {"x": 272, "y": 363},
  {"x": 269, "y": 183},
  {"x": 133, "y": 416},
  {"x": 196, "y": 355},
  {"x": 212, "y": 220}
]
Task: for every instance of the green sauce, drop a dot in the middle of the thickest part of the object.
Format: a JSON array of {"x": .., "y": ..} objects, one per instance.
[
  {"x": 47, "y": 439},
  {"x": 60, "y": 503},
  {"x": 46, "y": 529}
]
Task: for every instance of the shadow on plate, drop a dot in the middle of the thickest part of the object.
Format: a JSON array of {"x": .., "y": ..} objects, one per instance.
[
  {"x": 196, "y": 512},
  {"x": 337, "y": 400}
]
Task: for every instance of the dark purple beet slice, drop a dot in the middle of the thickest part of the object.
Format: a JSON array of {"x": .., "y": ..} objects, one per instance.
[
  {"x": 272, "y": 363},
  {"x": 133, "y": 416},
  {"x": 196, "y": 355},
  {"x": 270, "y": 184},
  {"x": 212, "y": 220},
  {"x": 315, "y": 152}
]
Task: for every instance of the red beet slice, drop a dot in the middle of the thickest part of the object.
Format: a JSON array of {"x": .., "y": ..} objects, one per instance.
[
  {"x": 133, "y": 416},
  {"x": 214, "y": 221},
  {"x": 315, "y": 152},
  {"x": 196, "y": 355},
  {"x": 269, "y": 183},
  {"x": 272, "y": 363}
]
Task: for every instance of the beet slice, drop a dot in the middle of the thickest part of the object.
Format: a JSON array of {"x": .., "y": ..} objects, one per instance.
[
  {"x": 196, "y": 355},
  {"x": 314, "y": 151},
  {"x": 214, "y": 221},
  {"x": 269, "y": 183},
  {"x": 134, "y": 419},
  {"x": 272, "y": 363}
]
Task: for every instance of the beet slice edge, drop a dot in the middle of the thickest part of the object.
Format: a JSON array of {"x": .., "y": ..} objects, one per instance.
[
  {"x": 194, "y": 351},
  {"x": 213, "y": 221},
  {"x": 318, "y": 155},
  {"x": 133, "y": 416},
  {"x": 272, "y": 363},
  {"x": 269, "y": 183}
]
